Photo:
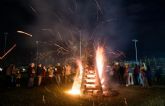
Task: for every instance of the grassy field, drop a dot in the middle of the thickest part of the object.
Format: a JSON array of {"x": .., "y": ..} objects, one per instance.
[{"x": 52, "y": 95}]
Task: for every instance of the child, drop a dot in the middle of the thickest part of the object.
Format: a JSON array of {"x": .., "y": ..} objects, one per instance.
[{"x": 18, "y": 78}]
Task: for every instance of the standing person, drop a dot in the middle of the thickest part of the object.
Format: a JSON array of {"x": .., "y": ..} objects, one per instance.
[
  {"x": 111, "y": 72},
  {"x": 158, "y": 75},
  {"x": 44, "y": 70},
  {"x": 121, "y": 74},
  {"x": 18, "y": 78},
  {"x": 67, "y": 73},
  {"x": 8, "y": 76},
  {"x": 50, "y": 73},
  {"x": 136, "y": 74},
  {"x": 149, "y": 75},
  {"x": 58, "y": 73},
  {"x": 116, "y": 72},
  {"x": 13, "y": 75},
  {"x": 142, "y": 77},
  {"x": 39, "y": 74},
  {"x": 130, "y": 76},
  {"x": 31, "y": 75},
  {"x": 126, "y": 74},
  {"x": 107, "y": 76}
]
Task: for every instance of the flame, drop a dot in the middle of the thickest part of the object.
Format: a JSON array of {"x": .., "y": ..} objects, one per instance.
[
  {"x": 102, "y": 81},
  {"x": 76, "y": 88},
  {"x": 100, "y": 61},
  {"x": 74, "y": 92}
]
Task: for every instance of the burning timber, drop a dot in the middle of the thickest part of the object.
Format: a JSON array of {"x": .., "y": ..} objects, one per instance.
[{"x": 91, "y": 81}]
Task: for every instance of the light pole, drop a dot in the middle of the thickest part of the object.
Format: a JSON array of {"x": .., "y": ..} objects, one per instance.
[{"x": 135, "y": 41}]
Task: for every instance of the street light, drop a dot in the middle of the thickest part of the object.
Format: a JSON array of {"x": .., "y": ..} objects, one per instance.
[{"x": 135, "y": 41}]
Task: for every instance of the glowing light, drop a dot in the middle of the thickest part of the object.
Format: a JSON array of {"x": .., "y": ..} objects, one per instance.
[
  {"x": 100, "y": 61},
  {"x": 102, "y": 81},
  {"x": 76, "y": 88},
  {"x": 100, "y": 65},
  {"x": 91, "y": 72},
  {"x": 91, "y": 76},
  {"x": 90, "y": 80},
  {"x": 8, "y": 51},
  {"x": 1, "y": 69},
  {"x": 74, "y": 92},
  {"x": 90, "y": 85},
  {"x": 23, "y": 69},
  {"x": 116, "y": 63},
  {"x": 22, "y": 32}
]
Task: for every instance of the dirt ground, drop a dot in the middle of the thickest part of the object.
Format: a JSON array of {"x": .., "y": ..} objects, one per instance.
[{"x": 55, "y": 96}]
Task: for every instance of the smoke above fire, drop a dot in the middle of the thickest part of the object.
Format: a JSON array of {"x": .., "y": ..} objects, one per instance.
[
  {"x": 60, "y": 23},
  {"x": 64, "y": 20}
]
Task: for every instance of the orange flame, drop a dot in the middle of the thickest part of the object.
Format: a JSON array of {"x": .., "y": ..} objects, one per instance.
[
  {"x": 76, "y": 88},
  {"x": 100, "y": 61}
]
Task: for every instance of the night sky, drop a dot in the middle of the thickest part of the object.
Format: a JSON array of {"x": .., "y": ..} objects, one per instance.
[{"x": 116, "y": 21}]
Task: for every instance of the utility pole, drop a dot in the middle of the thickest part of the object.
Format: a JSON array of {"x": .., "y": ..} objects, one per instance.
[{"x": 135, "y": 41}]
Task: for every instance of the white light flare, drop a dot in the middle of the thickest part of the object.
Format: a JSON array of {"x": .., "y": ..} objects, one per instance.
[
  {"x": 100, "y": 61},
  {"x": 22, "y": 32},
  {"x": 76, "y": 88},
  {"x": 100, "y": 65}
]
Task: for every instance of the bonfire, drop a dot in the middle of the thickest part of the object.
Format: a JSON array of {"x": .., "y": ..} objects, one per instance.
[{"x": 90, "y": 80}]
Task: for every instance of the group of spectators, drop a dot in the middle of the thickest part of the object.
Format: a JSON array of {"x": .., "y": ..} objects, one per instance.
[
  {"x": 58, "y": 73},
  {"x": 13, "y": 76},
  {"x": 127, "y": 75},
  {"x": 38, "y": 75}
]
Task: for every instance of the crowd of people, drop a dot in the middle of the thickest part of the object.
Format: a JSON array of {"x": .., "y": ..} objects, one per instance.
[
  {"x": 37, "y": 75},
  {"x": 126, "y": 74}
]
